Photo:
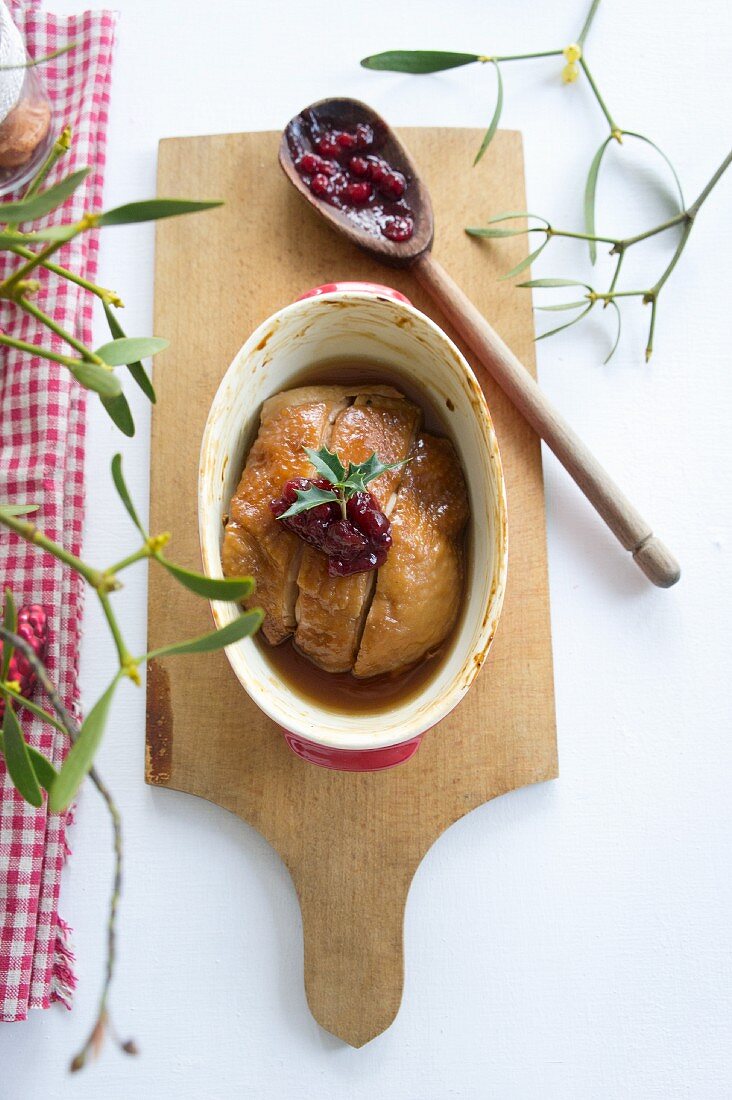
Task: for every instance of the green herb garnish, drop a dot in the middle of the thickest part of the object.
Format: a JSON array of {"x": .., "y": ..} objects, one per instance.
[{"x": 346, "y": 480}]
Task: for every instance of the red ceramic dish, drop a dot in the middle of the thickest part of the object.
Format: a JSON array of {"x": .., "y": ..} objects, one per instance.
[{"x": 378, "y": 324}]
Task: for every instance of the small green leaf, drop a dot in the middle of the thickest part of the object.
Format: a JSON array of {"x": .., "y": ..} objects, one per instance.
[
  {"x": 96, "y": 378},
  {"x": 128, "y": 349},
  {"x": 309, "y": 498},
  {"x": 563, "y": 305},
  {"x": 527, "y": 261},
  {"x": 137, "y": 370},
  {"x": 53, "y": 233},
  {"x": 613, "y": 303},
  {"x": 124, "y": 494},
  {"x": 119, "y": 410},
  {"x": 152, "y": 210},
  {"x": 328, "y": 464},
  {"x": 418, "y": 61},
  {"x": 44, "y": 769},
  {"x": 554, "y": 282},
  {"x": 43, "y": 202},
  {"x": 360, "y": 474},
  {"x": 10, "y": 622},
  {"x": 496, "y": 117},
  {"x": 553, "y": 331},
  {"x": 239, "y": 628},
  {"x": 508, "y": 214},
  {"x": 677, "y": 181},
  {"x": 490, "y": 233},
  {"x": 213, "y": 588},
  {"x": 81, "y": 755},
  {"x": 18, "y": 509},
  {"x": 590, "y": 189},
  {"x": 27, "y": 704},
  {"x": 17, "y": 758}
]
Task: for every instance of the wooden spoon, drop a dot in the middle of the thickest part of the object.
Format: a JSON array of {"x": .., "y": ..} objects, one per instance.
[{"x": 624, "y": 521}]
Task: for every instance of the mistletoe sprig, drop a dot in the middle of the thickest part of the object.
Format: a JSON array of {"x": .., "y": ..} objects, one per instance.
[
  {"x": 346, "y": 480},
  {"x": 32, "y": 773},
  {"x": 576, "y": 64}
]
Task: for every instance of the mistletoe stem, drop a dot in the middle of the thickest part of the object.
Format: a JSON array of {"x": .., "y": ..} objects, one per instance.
[
  {"x": 37, "y": 350},
  {"x": 71, "y": 728},
  {"x": 588, "y": 22},
  {"x": 131, "y": 559},
  {"x": 60, "y": 146},
  {"x": 86, "y": 353},
  {"x": 31, "y": 533},
  {"x": 109, "y": 296},
  {"x": 523, "y": 56},
  {"x": 615, "y": 131}
]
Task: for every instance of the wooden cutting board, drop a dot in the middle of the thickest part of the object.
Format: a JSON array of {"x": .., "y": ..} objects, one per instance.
[{"x": 352, "y": 843}]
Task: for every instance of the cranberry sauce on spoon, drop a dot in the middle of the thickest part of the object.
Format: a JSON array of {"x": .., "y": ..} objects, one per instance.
[{"x": 343, "y": 162}]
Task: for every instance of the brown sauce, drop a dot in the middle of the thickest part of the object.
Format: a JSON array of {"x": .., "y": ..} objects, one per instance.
[{"x": 342, "y": 692}]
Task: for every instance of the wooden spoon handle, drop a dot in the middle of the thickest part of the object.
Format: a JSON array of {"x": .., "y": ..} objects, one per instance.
[{"x": 629, "y": 527}]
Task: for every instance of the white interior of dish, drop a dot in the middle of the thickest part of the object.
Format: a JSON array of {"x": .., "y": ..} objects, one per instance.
[{"x": 357, "y": 325}]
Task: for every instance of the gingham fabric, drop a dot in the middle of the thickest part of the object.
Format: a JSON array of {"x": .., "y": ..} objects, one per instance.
[{"x": 42, "y": 413}]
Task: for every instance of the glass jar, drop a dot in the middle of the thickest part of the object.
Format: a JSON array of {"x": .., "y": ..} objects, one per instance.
[{"x": 26, "y": 133}]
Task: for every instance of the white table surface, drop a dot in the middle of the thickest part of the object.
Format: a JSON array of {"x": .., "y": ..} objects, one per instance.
[{"x": 567, "y": 940}]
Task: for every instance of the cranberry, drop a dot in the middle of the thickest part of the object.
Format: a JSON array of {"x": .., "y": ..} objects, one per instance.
[
  {"x": 398, "y": 229},
  {"x": 320, "y": 184},
  {"x": 346, "y": 140},
  {"x": 344, "y": 541},
  {"x": 359, "y": 542},
  {"x": 358, "y": 193},
  {"x": 308, "y": 164},
  {"x": 327, "y": 167},
  {"x": 364, "y": 135},
  {"x": 327, "y": 145},
  {"x": 377, "y": 169},
  {"x": 359, "y": 166},
  {"x": 392, "y": 184},
  {"x": 363, "y": 510}
]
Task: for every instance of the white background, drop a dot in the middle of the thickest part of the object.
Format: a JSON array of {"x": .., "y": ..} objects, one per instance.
[{"x": 570, "y": 940}]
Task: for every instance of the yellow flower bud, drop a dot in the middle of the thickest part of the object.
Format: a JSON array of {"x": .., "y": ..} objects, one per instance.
[
  {"x": 572, "y": 52},
  {"x": 570, "y": 73}
]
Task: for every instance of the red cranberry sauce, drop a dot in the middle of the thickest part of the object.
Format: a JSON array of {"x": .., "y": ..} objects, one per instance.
[
  {"x": 344, "y": 169},
  {"x": 352, "y": 545}
]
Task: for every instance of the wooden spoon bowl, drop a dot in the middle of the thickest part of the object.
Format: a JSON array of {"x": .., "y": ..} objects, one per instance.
[{"x": 346, "y": 114}]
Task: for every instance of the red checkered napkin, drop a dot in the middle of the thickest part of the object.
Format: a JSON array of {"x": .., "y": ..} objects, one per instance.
[{"x": 42, "y": 413}]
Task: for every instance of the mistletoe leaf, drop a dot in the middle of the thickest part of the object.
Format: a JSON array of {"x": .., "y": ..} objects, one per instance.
[
  {"x": 213, "y": 588},
  {"x": 613, "y": 303},
  {"x": 119, "y": 410},
  {"x": 527, "y": 260},
  {"x": 568, "y": 324},
  {"x": 44, "y": 769},
  {"x": 129, "y": 349},
  {"x": 79, "y": 761},
  {"x": 241, "y": 627},
  {"x": 493, "y": 126},
  {"x": 17, "y": 758},
  {"x": 137, "y": 370},
  {"x": 417, "y": 61},
  {"x": 10, "y": 622},
  {"x": 124, "y": 493},
  {"x": 590, "y": 189},
  {"x": 43, "y": 202},
  {"x": 151, "y": 210}
]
